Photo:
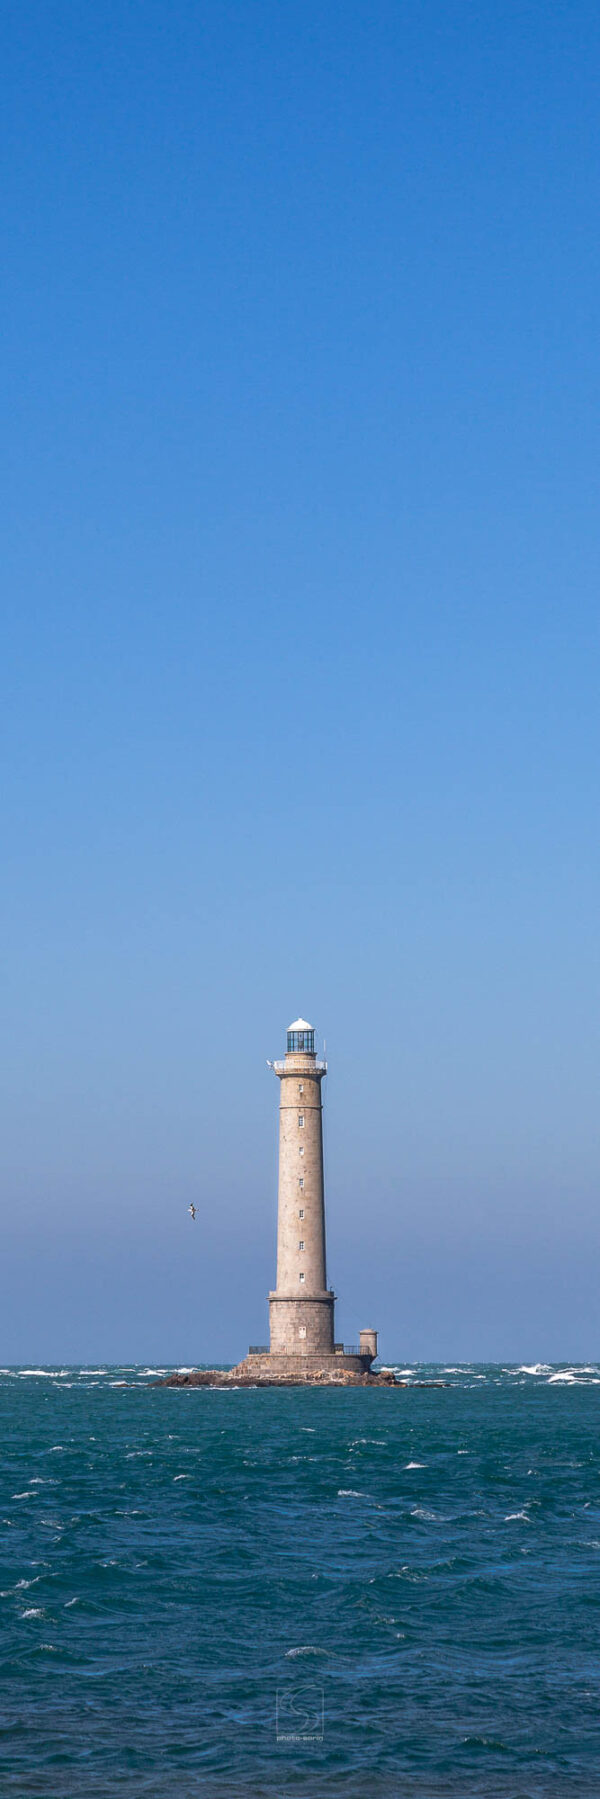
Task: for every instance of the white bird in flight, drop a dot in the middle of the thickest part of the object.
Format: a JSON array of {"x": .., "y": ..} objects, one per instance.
[{"x": 192, "y": 1211}]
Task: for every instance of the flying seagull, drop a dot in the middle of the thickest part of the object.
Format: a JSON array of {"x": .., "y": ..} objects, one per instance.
[{"x": 192, "y": 1211}]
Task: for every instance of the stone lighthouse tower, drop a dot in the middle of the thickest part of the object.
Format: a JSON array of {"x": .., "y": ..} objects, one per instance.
[{"x": 301, "y": 1307}]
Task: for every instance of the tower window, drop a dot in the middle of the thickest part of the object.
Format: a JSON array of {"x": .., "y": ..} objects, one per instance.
[
  {"x": 301, "y": 1243},
  {"x": 302, "y": 1330},
  {"x": 301, "y": 1150},
  {"x": 301, "y": 1120},
  {"x": 300, "y": 1180},
  {"x": 301, "y": 1277},
  {"x": 301, "y": 1212},
  {"x": 301, "y": 1087}
]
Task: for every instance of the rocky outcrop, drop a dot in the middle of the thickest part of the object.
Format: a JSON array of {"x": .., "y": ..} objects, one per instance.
[{"x": 242, "y": 1376}]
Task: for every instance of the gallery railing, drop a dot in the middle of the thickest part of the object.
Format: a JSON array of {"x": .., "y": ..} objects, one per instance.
[{"x": 339, "y": 1349}]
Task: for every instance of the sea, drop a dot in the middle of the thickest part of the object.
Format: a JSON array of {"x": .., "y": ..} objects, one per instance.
[{"x": 296, "y": 1593}]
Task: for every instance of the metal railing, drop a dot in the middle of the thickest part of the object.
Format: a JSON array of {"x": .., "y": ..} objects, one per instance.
[
  {"x": 283, "y": 1068},
  {"x": 338, "y": 1349}
]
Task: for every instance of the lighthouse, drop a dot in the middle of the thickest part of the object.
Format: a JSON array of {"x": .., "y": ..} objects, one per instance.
[{"x": 301, "y": 1306}]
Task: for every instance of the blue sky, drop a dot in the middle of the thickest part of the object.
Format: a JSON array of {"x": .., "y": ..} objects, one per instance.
[{"x": 300, "y": 666}]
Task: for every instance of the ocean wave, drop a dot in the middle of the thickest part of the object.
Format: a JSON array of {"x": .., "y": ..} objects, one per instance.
[
  {"x": 415, "y": 1464},
  {"x": 42, "y": 1373}
]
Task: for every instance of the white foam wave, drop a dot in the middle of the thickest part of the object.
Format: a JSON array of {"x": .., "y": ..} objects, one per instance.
[
  {"x": 42, "y": 1373},
  {"x": 350, "y": 1493},
  {"x": 415, "y": 1464},
  {"x": 33, "y": 1611},
  {"x": 512, "y": 1516},
  {"x": 534, "y": 1368}
]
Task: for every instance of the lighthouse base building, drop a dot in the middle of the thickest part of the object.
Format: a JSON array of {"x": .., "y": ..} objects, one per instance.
[{"x": 301, "y": 1306}]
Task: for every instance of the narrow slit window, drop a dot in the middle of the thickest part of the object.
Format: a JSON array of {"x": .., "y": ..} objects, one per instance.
[
  {"x": 301, "y": 1087},
  {"x": 302, "y": 1330},
  {"x": 300, "y": 1180},
  {"x": 301, "y": 1150},
  {"x": 301, "y": 1243},
  {"x": 301, "y": 1120},
  {"x": 301, "y": 1277},
  {"x": 301, "y": 1212}
]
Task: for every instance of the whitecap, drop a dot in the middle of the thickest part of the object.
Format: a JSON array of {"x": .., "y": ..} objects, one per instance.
[
  {"x": 26, "y": 1495},
  {"x": 512, "y": 1516},
  {"x": 69, "y": 1602},
  {"x": 420, "y": 1511},
  {"x": 415, "y": 1464},
  {"x": 350, "y": 1493},
  {"x": 188, "y": 1476},
  {"x": 534, "y": 1368},
  {"x": 305, "y": 1649},
  {"x": 42, "y": 1373},
  {"x": 567, "y": 1375},
  {"x": 33, "y": 1611}
]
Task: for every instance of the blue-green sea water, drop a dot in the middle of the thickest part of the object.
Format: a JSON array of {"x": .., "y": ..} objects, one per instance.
[{"x": 300, "y": 1593}]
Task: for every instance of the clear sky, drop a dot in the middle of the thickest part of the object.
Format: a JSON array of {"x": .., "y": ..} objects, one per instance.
[{"x": 300, "y": 666}]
